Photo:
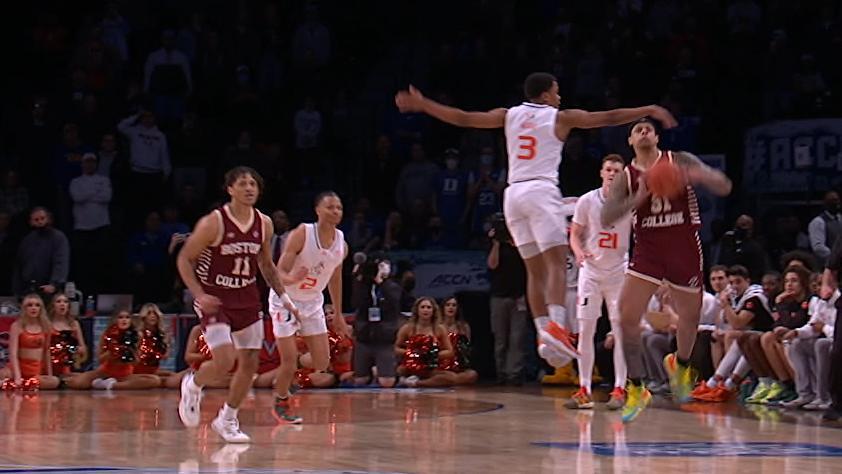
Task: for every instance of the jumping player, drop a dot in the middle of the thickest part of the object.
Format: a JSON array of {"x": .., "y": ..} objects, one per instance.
[
  {"x": 602, "y": 253},
  {"x": 218, "y": 264},
  {"x": 535, "y": 135},
  {"x": 667, "y": 250},
  {"x": 311, "y": 261}
]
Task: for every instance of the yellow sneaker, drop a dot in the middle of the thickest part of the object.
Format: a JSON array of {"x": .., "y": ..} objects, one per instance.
[
  {"x": 637, "y": 399},
  {"x": 563, "y": 376},
  {"x": 682, "y": 378}
]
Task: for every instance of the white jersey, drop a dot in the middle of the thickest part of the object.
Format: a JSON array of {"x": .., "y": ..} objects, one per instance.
[
  {"x": 533, "y": 147},
  {"x": 608, "y": 245},
  {"x": 320, "y": 262}
]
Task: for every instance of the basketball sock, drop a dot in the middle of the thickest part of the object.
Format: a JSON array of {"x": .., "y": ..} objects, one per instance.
[
  {"x": 729, "y": 361},
  {"x": 742, "y": 369},
  {"x": 558, "y": 313},
  {"x": 587, "y": 328},
  {"x": 541, "y": 322},
  {"x": 192, "y": 385},
  {"x": 229, "y": 413},
  {"x": 714, "y": 381},
  {"x": 730, "y": 384}
]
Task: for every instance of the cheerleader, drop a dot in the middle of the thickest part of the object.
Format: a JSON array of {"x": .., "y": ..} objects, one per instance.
[
  {"x": 422, "y": 344},
  {"x": 154, "y": 342},
  {"x": 196, "y": 353},
  {"x": 118, "y": 353},
  {"x": 67, "y": 344},
  {"x": 460, "y": 338},
  {"x": 29, "y": 348}
]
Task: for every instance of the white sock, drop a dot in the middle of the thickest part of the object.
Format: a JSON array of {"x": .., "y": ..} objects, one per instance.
[
  {"x": 729, "y": 384},
  {"x": 587, "y": 328},
  {"x": 711, "y": 383},
  {"x": 743, "y": 368},
  {"x": 541, "y": 322},
  {"x": 558, "y": 313},
  {"x": 229, "y": 413},
  {"x": 191, "y": 384},
  {"x": 621, "y": 370},
  {"x": 729, "y": 361}
]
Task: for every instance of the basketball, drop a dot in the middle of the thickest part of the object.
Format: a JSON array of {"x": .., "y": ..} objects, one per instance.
[{"x": 665, "y": 179}]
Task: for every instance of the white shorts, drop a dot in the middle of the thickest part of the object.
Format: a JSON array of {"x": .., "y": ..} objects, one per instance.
[
  {"x": 596, "y": 287},
  {"x": 535, "y": 216},
  {"x": 312, "y": 315},
  {"x": 219, "y": 334}
]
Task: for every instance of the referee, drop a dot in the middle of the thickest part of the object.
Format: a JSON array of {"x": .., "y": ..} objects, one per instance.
[{"x": 830, "y": 282}]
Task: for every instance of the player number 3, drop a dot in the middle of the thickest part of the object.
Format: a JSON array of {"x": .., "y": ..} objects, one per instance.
[{"x": 527, "y": 147}]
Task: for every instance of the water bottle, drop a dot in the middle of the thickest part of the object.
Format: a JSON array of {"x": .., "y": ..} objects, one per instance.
[{"x": 90, "y": 306}]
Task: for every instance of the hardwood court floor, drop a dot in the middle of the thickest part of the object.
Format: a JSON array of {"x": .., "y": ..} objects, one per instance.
[{"x": 481, "y": 430}]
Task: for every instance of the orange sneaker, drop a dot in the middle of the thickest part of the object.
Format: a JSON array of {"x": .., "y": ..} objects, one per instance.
[
  {"x": 701, "y": 390},
  {"x": 719, "y": 394},
  {"x": 559, "y": 339},
  {"x": 616, "y": 399},
  {"x": 580, "y": 400}
]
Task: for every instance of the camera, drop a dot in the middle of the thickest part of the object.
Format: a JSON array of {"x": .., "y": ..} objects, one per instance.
[{"x": 501, "y": 231}]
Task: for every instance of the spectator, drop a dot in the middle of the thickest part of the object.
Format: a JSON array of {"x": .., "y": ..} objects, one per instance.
[
  {"x": 33, "y": 146},
  {"x": 311, "y": 42},
  {"x": 14, "y": 197},
  {"x": 659, "y": 339},
  {"x": 171, "y": 222},
  {"x": 450, "y": 200},
  {"x": 8, "y": 246},
  {"x": 380, "y": 172},
  {"x": 798, "y": 257},
  {"x": 115, "y": 29},
  {"x": 485, "y": 193},
  {"x": 308, "y": 126},
  {"x": 91, "y": 194},
  {"x": 395, "y": 235},
  {"x": 108, "y": 161},
  {"x": 361, "y": 236},
  {"x": 43, "y": 258},
  {"x": 772, "y": 285},
  {"x": 739, "y": 247},
  {"x": 149, "y": 159},
  {"x": 148, "y": 261},
  {"x": 826, "y": 227},
  {"x": 282, "y": 226},
  {"x": 509, "y": 320},
  {"x": 416, "y": 181},
  {"x": 167, "y": 77},
  {"x": 377, "y": 299},
  {"x": 67, "y": 165}
]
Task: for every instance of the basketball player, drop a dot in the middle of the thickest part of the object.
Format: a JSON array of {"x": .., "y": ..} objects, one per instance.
[
  {"x": 602, "y": 253},
  {"x": 667, "y": 251},
  {"x": 311, "y": 261},
  {"x": 219, "y": 264},
  {"x": 535, "y": 134}
]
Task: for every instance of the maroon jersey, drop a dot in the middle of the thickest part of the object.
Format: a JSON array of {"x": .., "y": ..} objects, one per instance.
[
  {"x": 666, "y": 235},
  {"x": 229, "y": 272}
]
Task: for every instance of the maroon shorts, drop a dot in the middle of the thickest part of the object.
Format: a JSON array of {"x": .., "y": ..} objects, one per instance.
[
  {"x": 237, "y": 319},
  {"x": 677, "y": 262}
]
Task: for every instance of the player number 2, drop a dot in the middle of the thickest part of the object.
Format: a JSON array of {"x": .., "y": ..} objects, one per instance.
[
  {"x": 242, "y": 267},
  {"x": 308, "y": 284},
  {"x": 527, "y": 147},
  {"x": 607, "y": 240}
]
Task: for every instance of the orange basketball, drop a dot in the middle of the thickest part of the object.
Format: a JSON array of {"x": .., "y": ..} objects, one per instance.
[{"x": 665, "y": 179}]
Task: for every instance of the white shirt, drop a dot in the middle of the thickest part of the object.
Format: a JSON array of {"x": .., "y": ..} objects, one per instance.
[
  {"x": 91, "y": 195},
  {"x": 320, "y": 262},
  {"x": 533, "y": 147},
  {"x": 149, "y": 152},
  {"x": 820, "y": 311},
  {"x": 608, "y": 245},
  {"x": 710, "y": 312}
]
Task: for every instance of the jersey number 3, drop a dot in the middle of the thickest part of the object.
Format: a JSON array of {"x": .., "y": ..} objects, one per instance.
[
  {"x": 526, "y": 147},
  {"x": 607, "y": 240}
]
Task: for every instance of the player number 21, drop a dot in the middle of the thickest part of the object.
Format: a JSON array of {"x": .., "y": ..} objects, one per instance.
[
  {"x": 526, "y": 147},
  {"x": 607, "y": 240},
  {"x": 241, "y": 267}
]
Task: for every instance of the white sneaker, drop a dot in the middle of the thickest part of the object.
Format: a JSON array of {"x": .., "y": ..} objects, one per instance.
[
  {"x": 229, "y": 429},
  {"x": 189, "y": 407},
  {"x": 817, "y": 405},
  {"x": 104, "y": 384}
]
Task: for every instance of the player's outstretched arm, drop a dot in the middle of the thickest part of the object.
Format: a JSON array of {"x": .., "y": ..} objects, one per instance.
[
  {"x": 700, "y": 173},
  {"x": 620, "y": 201},
  {"x": 412, "y": 100},
  {"x": 569, "y": 119}
]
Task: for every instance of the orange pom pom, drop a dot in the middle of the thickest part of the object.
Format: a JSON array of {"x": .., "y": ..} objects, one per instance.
[{"x": 665, "y": 179}]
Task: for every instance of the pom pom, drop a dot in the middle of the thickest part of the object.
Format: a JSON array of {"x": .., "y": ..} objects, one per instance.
[
  {"x": 8, "y": 385},
  {"x": 31, "y": 384},
  {"x": 64, "y": 348},
  {"x": 338, "y": 344},
  {"x": 121, "y": 344},
  {"x": 421, "y": 356},
  {"x": 153, "y": 346}
]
